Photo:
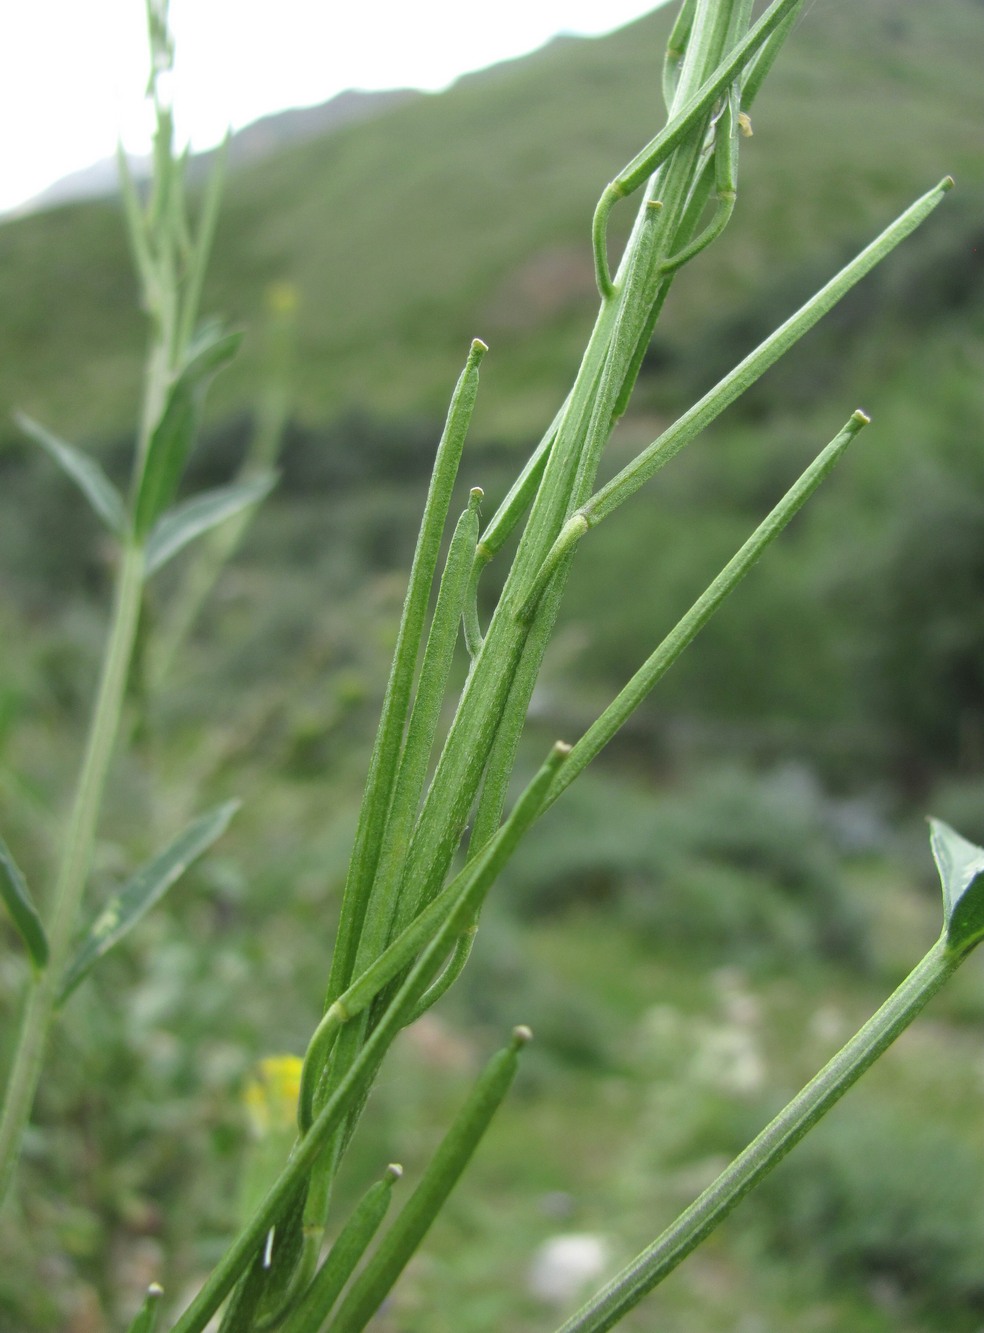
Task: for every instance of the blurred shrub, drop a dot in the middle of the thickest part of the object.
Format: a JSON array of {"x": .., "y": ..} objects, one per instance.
[
  {"x": 735, "y": 859},
  {"x": 960, "y": 801},
  {"x": 882, "y": 1194},
  {"x": 927, "y": 678},
  {"x": 938, "y": 273}
]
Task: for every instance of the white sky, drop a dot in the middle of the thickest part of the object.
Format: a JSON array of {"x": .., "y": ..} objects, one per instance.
[{"x": 72, "y": 72}]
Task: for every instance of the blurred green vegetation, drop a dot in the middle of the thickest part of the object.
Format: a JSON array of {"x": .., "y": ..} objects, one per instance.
[
  {"x": 697, "y": 925},
  {"x": 466, "y": 213}
]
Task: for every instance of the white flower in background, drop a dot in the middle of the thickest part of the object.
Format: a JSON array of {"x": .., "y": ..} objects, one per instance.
[
  {"x": 563, "y": 1265},
  {"x": 728, "y": 1058}
]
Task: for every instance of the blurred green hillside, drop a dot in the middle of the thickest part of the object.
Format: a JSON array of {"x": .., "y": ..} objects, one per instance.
[
  {"x": 467, "y": 213},
  {"x": 692, "y": 931}
]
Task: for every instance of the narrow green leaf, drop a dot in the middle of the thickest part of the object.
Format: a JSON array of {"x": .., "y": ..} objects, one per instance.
[
  {"x": 20, "y": 905},
  {"x": 173, "y": 436},
  {"x": 192, "y": 518},
  {"x": 83, "y": 470},
  {"x": 961, "y": 864},
  {"x": 140, "y": 893},
  {"x": 145, "y": 1321}
]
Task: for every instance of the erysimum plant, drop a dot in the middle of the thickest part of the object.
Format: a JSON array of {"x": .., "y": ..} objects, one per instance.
[
  {"x": 148, "y": 528},
  {"x": 433, "y": 834}
]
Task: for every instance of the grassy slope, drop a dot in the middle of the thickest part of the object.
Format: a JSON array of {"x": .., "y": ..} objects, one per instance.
[{"x": 467, "y": 213}]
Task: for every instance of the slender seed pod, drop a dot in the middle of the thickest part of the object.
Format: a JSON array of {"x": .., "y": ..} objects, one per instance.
[
  {"x": 396, "y": 705},
  {"x": 437, "y": 927},
  {"x": 351, "y": 1244},
  {"x": 401, "y": 1241},
  {"x": 682, "y": 124},
  {"x": 689, "y": 625},
  {"x": 421, "y": 731},
  {"x": 145, "y": 1320}
]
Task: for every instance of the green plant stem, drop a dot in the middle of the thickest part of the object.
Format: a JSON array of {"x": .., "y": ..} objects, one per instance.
[
  {"x": 75, "y": 861},
  {"x": 768, "y": 1149}
]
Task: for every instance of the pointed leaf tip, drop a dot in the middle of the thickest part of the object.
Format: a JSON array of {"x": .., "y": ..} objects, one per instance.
[
  {"x": 20, "y": 905},
  {"x": 960, "y": 864},
  {"x": 91, "y": 480}
]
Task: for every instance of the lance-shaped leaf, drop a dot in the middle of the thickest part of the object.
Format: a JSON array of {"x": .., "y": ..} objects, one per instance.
[
  {"x": 190, "y": 519},
  {"x": 83, "y": 470},
  {"x": 140, "y": 893},
  {"x": 20, "y": 905},
  {"x": 961, "y": 865},
  {"x": 175, "y": 432}
]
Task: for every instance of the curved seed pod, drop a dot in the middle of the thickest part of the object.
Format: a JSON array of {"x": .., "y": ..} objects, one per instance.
[
  {"x": 456, "y": 965},
  {"x": 683, "y": 123}
]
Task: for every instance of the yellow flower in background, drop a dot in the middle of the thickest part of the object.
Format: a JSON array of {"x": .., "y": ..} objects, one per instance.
[
  {"x": 271, "y": 1097},
  {"x": 282, "y": 298}
]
